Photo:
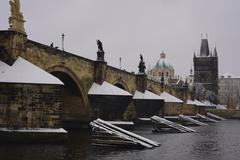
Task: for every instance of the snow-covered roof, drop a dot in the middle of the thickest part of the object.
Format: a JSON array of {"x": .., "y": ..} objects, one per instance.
[
  {"x": 107, "y": 89},
  {"x": 146, "y": 95},
  {"x": 23, "y": 71},
  {"x": 191, "y": 102},
  {"x": 3, "y": 66},
  {"x": 198, "y": 103},
  {"x": 170, "y": 98},
  {"x": 207, "y": 103}
]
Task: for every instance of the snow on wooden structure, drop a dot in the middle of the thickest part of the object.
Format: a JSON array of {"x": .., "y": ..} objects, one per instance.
[
  {"x": 107, "y": 134},
  {"x": 161, "y": 124},
  {"x": 215, "y": 116},
  {"x": 128, "y": 125}
]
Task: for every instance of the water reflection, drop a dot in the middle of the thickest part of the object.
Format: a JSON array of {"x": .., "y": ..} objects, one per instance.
[{"x": 217, "y": 141}]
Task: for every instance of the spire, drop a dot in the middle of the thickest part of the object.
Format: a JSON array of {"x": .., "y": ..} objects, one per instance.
[
  {"x": 194, "y": 54},
  {"x": 191, "y": 70},
  {"x": 204, "y": 51},
  {"x": 162, "y": 55},
  {"x": 215, "y": 52},
  {"x": 16, "y": 21}
]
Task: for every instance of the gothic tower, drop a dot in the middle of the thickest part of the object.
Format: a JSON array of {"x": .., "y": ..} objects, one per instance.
[{"x": 206, "y": 73}]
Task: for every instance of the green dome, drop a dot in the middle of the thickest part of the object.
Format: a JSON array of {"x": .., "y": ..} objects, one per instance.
[{"x": 162, "y": 63}]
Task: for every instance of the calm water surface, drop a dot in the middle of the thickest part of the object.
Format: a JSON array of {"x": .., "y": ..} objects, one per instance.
[{"x": 219, "y": 141}]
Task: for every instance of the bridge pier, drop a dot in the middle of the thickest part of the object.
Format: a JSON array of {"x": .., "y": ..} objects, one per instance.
[{"x": 100, "y": 71}]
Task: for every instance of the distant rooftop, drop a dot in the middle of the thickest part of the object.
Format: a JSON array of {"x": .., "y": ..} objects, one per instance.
[{"x": 228, "y": 75}]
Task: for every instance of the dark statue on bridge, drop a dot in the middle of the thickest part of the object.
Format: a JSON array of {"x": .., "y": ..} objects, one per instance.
[
  {"x": 100, "y": 52},
  {"x": 141, "y": 65}
]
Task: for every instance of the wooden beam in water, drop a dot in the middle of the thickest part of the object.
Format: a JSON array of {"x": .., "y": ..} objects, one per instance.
[
  {"x": 190, "y": 119},
  {"x": 161, "y": 121},
  {"x": 119, "y": 136},
  {"x": 130, "y": 134},
  {"x": 215, "y": 116},
  {"x": 205, "y": 118}
]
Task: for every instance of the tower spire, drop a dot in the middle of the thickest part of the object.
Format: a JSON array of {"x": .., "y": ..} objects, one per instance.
[
  {"x": 215, "y": 52},
  {"x": 204, "y": 50},
  {"x": 16, "y": 21}
]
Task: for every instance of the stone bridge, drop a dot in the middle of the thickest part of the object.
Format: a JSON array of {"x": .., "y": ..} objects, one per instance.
[{"x": 76, "y": 72}]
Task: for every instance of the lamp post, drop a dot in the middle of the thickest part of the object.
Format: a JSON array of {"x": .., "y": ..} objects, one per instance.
[{"x": 63, "y": 36}]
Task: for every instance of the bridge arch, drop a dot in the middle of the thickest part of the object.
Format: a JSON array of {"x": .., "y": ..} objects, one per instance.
[
  {"x": 121, "y": 85},
  {"x": 151, "y": 90},
  {"x": 74, "y": 100}
]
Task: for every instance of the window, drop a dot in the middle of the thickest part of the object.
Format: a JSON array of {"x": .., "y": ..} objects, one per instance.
[{"x": 167, "y": 74}]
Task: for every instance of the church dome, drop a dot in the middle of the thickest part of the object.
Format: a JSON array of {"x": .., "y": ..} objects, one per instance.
[{"x": 162, "y": 63}]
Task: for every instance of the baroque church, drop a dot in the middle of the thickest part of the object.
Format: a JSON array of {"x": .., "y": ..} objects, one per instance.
[
  {"x": 206, "y": 73},
  {"x": 162, "y": 69}
]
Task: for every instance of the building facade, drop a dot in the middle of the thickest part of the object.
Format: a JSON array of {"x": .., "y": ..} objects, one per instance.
[
  {"x": 229, "y": 90},
  {"x": 206, "y": 73},
  {"x": 162, "y": 68}
]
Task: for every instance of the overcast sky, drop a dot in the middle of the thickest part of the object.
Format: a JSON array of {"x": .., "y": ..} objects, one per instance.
[{"x": 130, "y": 27}]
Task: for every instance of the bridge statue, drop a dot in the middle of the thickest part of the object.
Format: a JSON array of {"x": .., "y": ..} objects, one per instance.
[
  {"x": 15, "y": 7},
  {"x": 100, "y": 52},
  {"x": 141, "y": 65},
  {"x": 16, "y": 22}
]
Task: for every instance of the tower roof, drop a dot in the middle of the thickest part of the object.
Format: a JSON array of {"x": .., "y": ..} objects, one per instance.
[
  {"x": 204, "y": 51},
  {"x": 215, "y": 52}
]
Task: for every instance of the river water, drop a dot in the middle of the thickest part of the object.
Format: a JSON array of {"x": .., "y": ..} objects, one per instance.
[{"x": 218, "y": 141}]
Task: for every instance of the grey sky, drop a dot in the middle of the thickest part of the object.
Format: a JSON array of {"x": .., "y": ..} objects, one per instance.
[{"x": 130, "y": 27}]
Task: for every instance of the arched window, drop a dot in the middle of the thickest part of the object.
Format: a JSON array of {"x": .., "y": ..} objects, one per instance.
[
  {"x": 167, "y": 74},
  {"x": 160, "y": 73}
]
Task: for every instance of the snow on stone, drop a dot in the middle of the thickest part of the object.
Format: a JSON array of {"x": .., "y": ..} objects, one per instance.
[
  {"x": 38, "y": 130},
  {"x": 146, "y": 95},
  {"x": 207, "y": 103},
  {"x": 191, "y": 102},
  {"x": 23, "y": 71},
  {"x": 220, "y": 106},
  {"x": 107, "y": 89},
  {"x": 198, "y": 103},
  {"x": 3, "y": 66},
  {"x": 170, "y": 98}
]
